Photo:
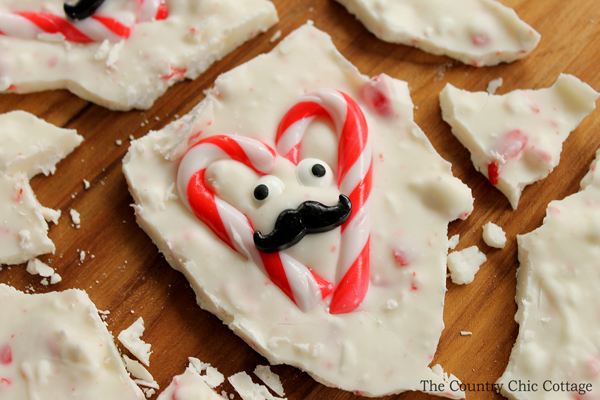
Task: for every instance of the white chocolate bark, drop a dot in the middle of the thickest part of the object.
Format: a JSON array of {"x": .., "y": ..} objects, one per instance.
[
  {"x": 23, "y": 230},
  {"x": 493, "y": 235},
  {"x": 557, "y": 298},
  {"x": 189, "y": 386},
  {"x": 520, "y": 133},
  {"x": 476, "y": 32},
  {"x": 31, "y": 145},
  {"x": 464, "y": 264},
  {"x": 414, "y": 196},
  {"x": 28, "y": 146},
  {"x": 55, "y": 346},
  {"x": 133, "y": 73}
]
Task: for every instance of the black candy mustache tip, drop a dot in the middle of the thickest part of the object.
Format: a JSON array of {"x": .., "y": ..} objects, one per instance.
[{"x": 310, "y": 217}]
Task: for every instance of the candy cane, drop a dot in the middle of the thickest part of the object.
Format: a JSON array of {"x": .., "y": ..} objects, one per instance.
[
  {"x": 28, "y": 25},
  {"x": 299, "y": 283},
  {"x": 354, "y": 178}
]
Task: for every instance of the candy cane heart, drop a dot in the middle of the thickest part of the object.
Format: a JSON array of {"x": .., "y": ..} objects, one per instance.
[
  {"x": 304, "y": 287},
  {"x": 354, "y": 178}
]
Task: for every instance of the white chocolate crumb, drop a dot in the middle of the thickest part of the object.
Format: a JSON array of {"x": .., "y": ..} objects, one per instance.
[
  {"x": 493, "y": 85},
  {"x": 36, "y": 267},
  {"x": 119, "y": 142},
  {"x": 466, "y": 333},
  {"x": 86, "y": 184},
  {"x": 453, "y": 241},
  {"x": 276, "y": 36},
  {"x": 75, "y": 216},
  {"x": 464, "y": 264},
  {"x": 82, "y": 256},
  {"x": 494, "y": 236},
  {"x": 130, "y": 338},
  {"x": 269, "y": 378}
]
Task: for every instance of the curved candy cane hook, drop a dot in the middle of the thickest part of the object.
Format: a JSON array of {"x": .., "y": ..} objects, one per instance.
[{"x": 354, "y": 178}]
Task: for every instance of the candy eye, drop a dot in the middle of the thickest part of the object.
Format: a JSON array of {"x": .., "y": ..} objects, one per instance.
[
  {"x": 267, "y": 187},
  {"x": 314, "y": 172}
]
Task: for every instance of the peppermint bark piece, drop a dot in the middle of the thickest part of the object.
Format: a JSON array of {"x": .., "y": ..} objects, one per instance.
[
  {"x": 28, "y": 146},
  {"x": 121, "y": 71},
  {"x": 412, "y": 198},
  {"x": 557, "y": 298},
  {"x": 476, "y": 32},
  {"x": 55, "y": 346},
  {"x": 515, "y": 139}
]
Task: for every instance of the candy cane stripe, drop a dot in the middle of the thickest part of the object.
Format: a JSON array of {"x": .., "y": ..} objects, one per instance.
[
  {"x": 354, "y": 178},
  {"x": 114, "y": 26},
  {"x": 352, "y": 288},
  {"x": 51, "y": 23}
]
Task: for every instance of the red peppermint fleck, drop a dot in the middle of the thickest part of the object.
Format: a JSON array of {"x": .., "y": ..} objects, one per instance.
[
  {"x": 11, "y": 88},
  {"x": 413, "y": 287},
  {"x": 480, "y": 39},
  {"x": 376, "y": 94},
  {"x": 493, "y": 173},
  {"x": 401, "y": 258},
  {"x": 5, "y": 382},
  {"x": 5, "y": 355},
  {"x": 175, "y": 73}
]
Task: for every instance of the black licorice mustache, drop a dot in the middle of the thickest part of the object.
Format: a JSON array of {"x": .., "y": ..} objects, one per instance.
[
  {"x": 310, "y": 217},
  {"x": 82, "y": 9}
]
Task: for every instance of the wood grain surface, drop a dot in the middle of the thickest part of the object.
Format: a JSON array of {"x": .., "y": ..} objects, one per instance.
[{"x": 129, "y": 277}]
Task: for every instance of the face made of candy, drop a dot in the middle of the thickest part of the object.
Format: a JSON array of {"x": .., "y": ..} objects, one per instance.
[
  {"x": 84, "y": 21},
  {"x": 262, "y": 202}
]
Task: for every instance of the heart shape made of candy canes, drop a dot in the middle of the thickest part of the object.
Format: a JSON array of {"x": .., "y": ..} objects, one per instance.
[
  {"x": 112, "y": 20},
  {"x": 353, "y": 177}
]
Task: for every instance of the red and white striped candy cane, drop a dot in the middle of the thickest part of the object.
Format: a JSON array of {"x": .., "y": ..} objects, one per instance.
[
  {"x": 299, "y": 283},
  {"x": 354, "y": 178},
  {"x": 98, "y": 27}
]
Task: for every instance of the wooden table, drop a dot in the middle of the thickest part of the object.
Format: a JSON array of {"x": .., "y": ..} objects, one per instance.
[{"x": 129, "y": 277}]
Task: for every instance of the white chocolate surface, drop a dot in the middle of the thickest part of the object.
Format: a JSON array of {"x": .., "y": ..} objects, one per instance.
[
  {"x": 410, "y": 220},
  {"x": 557, "y": 298},
  {"x": 133, "y": 73},
  {"x": 464, "y": 264},
  {"x": 522, "y": 131},
  {"x": 476, "y": 32},
  {"x": 59, "y": 349}
]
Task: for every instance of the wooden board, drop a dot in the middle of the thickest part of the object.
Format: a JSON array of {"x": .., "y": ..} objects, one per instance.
[{"x": 124, "y": 273}]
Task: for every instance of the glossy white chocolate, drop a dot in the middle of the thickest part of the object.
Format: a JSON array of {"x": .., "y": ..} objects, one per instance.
[
  {"x": 558, "y": 299},
  {"x": 539, "y": 121},
  {"x": 414, "y": 196},
  {"x": 134, "y": 72},
  {"x": 476, "y": 32},
  {"x": 59, "y": 349}
]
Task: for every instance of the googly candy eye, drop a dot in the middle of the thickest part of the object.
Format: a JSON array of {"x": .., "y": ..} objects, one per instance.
[
  {"x": 314, "y": 172},
  {"x": 267, "y": 187}
]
